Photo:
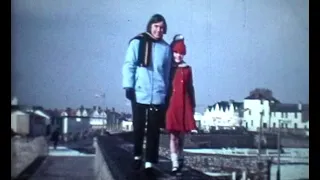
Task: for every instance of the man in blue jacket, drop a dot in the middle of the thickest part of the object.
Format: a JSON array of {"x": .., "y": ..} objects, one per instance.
[{"x": 145, "y": 79}]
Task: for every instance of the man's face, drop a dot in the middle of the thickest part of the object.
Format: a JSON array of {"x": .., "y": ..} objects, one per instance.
[{"x": 157, "y": 30}]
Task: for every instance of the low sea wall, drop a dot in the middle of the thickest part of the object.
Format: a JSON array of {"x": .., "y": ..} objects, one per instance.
[{"x": 24, "y": 151}]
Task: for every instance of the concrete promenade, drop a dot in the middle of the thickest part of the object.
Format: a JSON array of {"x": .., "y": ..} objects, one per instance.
[{"x": 65, "y": 164}]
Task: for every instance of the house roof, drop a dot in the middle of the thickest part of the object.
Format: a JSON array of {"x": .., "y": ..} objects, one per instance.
[
  {"x": 18, "y": 110},
  {"x": 21, "y": 108},
  {"x": 31, "y": 111},
  {"x": 287, "y": 107},
  {"x": 42, "y": 114},
  {"x": 280, "y": 107},
  {"x": 90, "y": 111},
  {"x": 226, "y": 105}
]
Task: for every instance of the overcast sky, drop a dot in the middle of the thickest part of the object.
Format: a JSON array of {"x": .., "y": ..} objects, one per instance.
[{"x": 65, "y": 52}]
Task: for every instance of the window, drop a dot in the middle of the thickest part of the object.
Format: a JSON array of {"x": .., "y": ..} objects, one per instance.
[
  {"x": 296, "y": 115},
  {"x": 281, "y": 125},
  {"x": 305, "y": 127},
  {"x": 251, "y": 122},
  {"x": 295, "y": 125},
  {"x": 247, "y": 125},
  {"x": 249, "y": 112},
  {"x": 264, "y": 125},
  {"x": 286, "y": 115},
  {"x": 282, "y": 114},
  {"x": 274, "y": 125},
  {"x": 286, "y": 125},
  {"x": 261, "y": 101}
]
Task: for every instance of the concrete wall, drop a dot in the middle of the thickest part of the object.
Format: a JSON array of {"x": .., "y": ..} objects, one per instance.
[
  {"x": 101, "y": 169},
  {"x": 294, "y": 143},
  {"x": 221, "y": 141},
  {"x": 25, "y": 151},
  {"x": 253, "y": 168}
]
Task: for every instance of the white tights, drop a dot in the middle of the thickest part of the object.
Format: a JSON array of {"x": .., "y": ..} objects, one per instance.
[{"x": 176, "y": 147}]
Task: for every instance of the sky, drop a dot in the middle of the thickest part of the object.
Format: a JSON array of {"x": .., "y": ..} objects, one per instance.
[{"x": 66, "y": 52}]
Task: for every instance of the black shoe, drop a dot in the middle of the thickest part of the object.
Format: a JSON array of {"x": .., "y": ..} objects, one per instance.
[
  {"x": 150, "y": 173},
  {"x": 136, "y": 165},
  {"x": 181, "y": 164}
]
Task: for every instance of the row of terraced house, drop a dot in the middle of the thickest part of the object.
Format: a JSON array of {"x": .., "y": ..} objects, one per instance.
[
  {"x": 68, "y": 120},
  {"x": 255, "y": 111}
]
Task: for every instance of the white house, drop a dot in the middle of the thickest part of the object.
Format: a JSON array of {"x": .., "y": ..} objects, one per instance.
[
  {"x": 198, "y": 118},
  {"x": 82, "y": 113},
  {"x": 103, "y": 116},
  {"x": 95, "y": 118},
  {"x": 127, "y": 125},
  {"x": 78, "y": 113},
  {"x": 65, "y": 122},
  {"x": 20, "y": 122},
  {"x": 98, "y": 118},
  {"x": 26, "y": 120},
  {"x": 222, "y": 114},
  {"x": 272, "y": 113}
]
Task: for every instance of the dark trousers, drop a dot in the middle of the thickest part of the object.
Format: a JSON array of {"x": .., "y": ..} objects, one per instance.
[
  {"x": 152, "y": 114},
  {"x": 55, "y": 144}
]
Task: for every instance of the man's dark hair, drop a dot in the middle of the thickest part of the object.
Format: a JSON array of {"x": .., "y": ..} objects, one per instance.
[{"x": 155, "y": 19}]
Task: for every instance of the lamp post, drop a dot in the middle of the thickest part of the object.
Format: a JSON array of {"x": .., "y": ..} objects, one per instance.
[
  {"x": 260, "y": 132},
  {"x": 278, "y": 146},
  {"x": 101, "y": 96}
]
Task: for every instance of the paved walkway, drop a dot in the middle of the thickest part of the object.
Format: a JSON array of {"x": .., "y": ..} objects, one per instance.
[{"x": 59, "y": 166}]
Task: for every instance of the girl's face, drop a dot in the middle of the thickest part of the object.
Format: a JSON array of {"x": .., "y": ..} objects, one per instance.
[{"x": 178, "y": 57}]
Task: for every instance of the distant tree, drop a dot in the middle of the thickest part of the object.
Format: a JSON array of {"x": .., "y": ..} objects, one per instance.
[
  {"x": 68, "y": 109},
  {"x": 261, "y": 92},
  {"x": 38, "y": 108},
  {"x": 81, "y": 108},
  {"x": 56, "y": 112}
]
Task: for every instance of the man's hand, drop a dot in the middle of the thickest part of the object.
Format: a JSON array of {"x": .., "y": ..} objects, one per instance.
[{"x": 130, "y": 94}]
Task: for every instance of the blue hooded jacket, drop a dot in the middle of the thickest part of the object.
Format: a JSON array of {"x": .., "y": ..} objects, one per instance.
[{"x": 150, "y": 83}]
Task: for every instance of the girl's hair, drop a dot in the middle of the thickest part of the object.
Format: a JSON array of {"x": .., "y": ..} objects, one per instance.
[{"x": 155, "y": 19}]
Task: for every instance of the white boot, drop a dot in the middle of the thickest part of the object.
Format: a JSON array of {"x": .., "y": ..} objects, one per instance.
[{"x": 174, "y": 160}]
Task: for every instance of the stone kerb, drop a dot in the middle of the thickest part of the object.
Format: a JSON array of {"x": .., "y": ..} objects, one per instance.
[{"x": 101, "y": 169}]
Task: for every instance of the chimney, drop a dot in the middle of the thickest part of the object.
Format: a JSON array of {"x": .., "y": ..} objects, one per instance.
[
  {"x": 14, "y": 101},
  {"x": 300, "y": 106}
]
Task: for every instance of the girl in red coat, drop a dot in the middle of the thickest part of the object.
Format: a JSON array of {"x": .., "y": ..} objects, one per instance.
[{"x": 179, "y": 115}]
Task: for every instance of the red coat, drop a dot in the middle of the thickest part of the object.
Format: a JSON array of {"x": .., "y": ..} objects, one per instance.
[{"x": 179, "y": 115}]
